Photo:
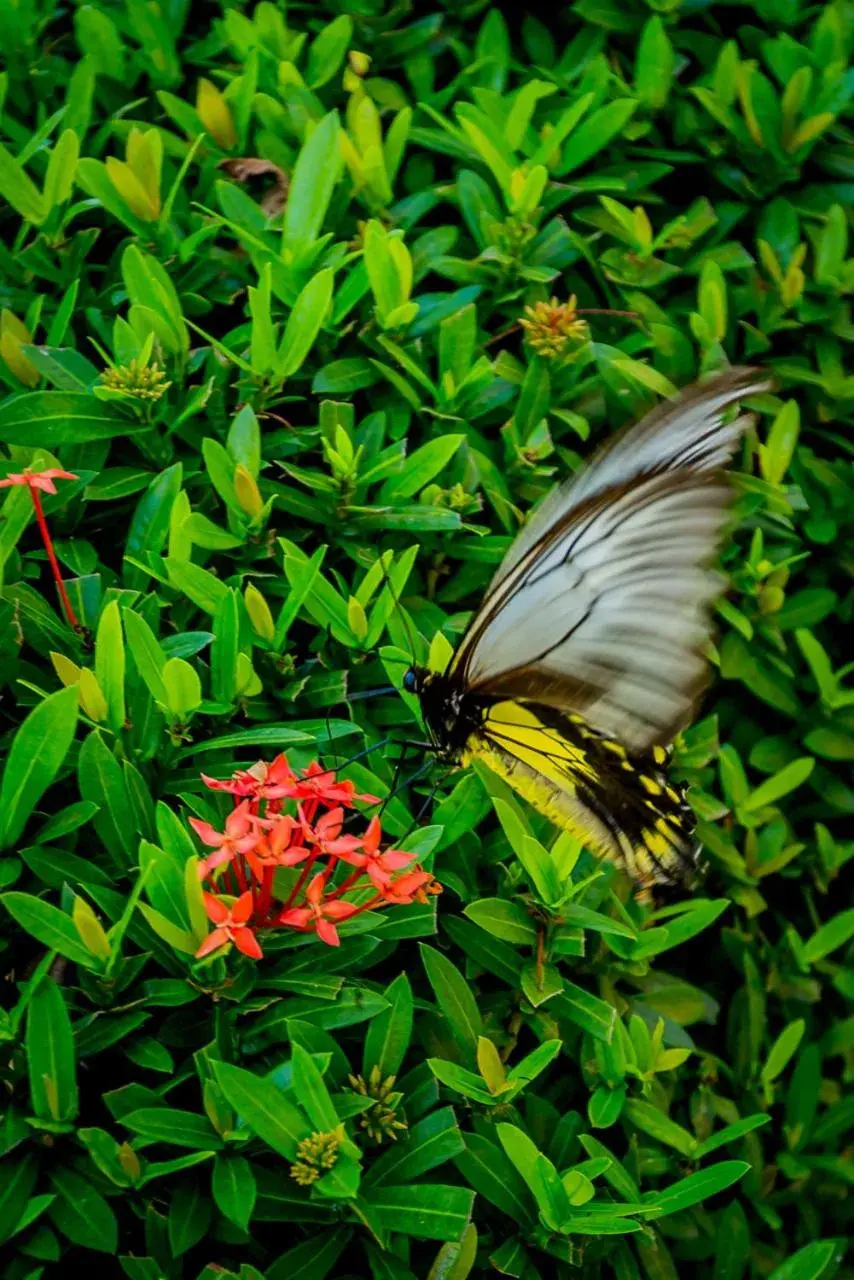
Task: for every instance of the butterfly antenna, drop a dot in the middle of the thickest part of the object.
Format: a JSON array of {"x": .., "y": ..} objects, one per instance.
[
  {"x": 419, "y": 773},
  {"x": 426, "y": 806},
  {"x": 407, "y": 626}
]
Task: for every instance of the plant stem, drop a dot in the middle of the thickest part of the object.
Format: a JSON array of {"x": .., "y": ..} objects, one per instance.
[
  {"x": 303, "y": 876},
  {"x": 51, "y": 555}
]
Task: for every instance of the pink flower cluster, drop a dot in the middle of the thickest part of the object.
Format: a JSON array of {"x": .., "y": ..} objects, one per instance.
[{"x": 282, "y": 821}]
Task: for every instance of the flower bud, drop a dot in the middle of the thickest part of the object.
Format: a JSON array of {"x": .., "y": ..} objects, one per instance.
[
  {"x": 247, "y": 491},
  {"x": 259, "y": 613}
]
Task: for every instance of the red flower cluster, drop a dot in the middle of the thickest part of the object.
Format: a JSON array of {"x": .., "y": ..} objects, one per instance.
[{"x": 281, "y": 821}]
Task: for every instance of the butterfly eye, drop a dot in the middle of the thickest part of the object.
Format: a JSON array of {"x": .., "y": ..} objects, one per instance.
[{"x": 410, "y": 681}]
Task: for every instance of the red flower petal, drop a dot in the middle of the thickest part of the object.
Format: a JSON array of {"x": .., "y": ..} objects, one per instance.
[
  {"x": 328, "y": 933},
  {"x": 296, "y": 917},
  {"x": 212, "y": 943},
  {"x": 338, "y": 910},
  {"x": 292, "y": 857},
  {"x": 373, "y": 836},
  {"x": 216, "y": 909},
  {"x": 206, "y": 833},
  {"x": 245, "y": 941},
  {"x": 395, "y": 859},
  {"x": 242, "y": 909},
  {"x": 316, "y": 886}
]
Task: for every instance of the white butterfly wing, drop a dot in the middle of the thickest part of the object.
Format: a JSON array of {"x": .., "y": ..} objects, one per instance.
[{"x": 600, "y": 607}]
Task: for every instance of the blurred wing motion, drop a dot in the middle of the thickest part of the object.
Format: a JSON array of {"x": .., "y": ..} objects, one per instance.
[{"x": 585, "y": 657}]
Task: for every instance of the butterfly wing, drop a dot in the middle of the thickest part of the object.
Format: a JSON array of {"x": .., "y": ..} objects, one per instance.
[
  {"x": 600, "y": 608},
  {"x": 624, "y": 809}
]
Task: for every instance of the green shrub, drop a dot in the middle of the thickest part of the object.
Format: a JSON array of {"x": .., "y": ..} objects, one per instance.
[{"x": 308, "y": 310}]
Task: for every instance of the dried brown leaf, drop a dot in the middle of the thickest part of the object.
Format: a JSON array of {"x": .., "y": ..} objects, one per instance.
[{"x": 246, "y": 169}]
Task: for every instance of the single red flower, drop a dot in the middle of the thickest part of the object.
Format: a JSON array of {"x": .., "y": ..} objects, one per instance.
[
  {"x": 378, "y": 866},
  {"x": 38, "y": 479},
  {"x": 280, "y": 846},
  {"x": 263, "y": 781},
  {"x": 232, "y": 925},
  {"x": 239, "y": 837},
  {"x": 321, "y": 784},
  {"x": 326, "y": 834},
  {"x": 319, "y": 915},
  {"x": 410, "y": 888}
]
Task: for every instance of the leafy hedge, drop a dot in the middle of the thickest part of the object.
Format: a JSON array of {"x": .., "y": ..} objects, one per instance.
[{"x": 263, "y": 282}]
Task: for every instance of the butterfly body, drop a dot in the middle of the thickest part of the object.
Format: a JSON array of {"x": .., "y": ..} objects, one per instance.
[{"x": 586, "y": 657}]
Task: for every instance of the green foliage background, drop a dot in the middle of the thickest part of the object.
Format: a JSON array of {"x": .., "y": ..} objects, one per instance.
[{"x": 347, "y": 379}]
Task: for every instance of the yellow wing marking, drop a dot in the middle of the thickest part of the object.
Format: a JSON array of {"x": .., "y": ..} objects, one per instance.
[
  {"x": 517, "y": 728},
  {"x": 548, "y": 771}
]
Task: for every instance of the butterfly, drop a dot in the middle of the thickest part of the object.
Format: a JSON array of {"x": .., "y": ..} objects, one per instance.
[{"x": 585, "y": 658}]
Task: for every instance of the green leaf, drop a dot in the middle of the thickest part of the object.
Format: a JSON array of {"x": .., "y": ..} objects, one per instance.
[
  {"x": 455, "y": 1261},
  {"x": 732, "y": 1243},
  {"x": 327, "y": 51},
  {"x": 507, "y": 920},
  {"x": 304, "y": 323},
  {"x": 234, "y": 1191},
  {"x": 50, "y": 1054},
  {"x": 698, "y": 1186},
  {"x": 315, "y": 174},
  {"x": 179, "y": 1128},
  {"x": 55, "y": 418},
  {"x": 655, "y": 65},
  {"x": 225, "y": 648},
  {"x": 731, "y": 1133},
  {"x": 389, "y": 1034},
  {"x": 422, "y": 1210},
  {"x": 311, "y": 1260},
  {"x": 110, "y": 664},
  {"x": 428, "y": 1143},
  {"x": 183, "y": 688},
  {"x": 776, "y": 454},
  {"x": 274, "y": 1119},
  {"x": 147, "y": 654},
  {"x": 782, "y": 1050},
  {"x": 49, "y": 926},
  {"x": 202, "y": 587},
  {"x": 310, "y": 1091},
  {"x": 342, "y": 377},
  {"x": 836, "y": 933},
  {"x": 809, "y": 1263},
  {"x": 420, "y": 468},
  {"x": 18, "y": 189},
  {"x": 485, "y": 1167},
  {"x": 454, "y": 998},
  {"x": 189, "y": 1218},
  {"x": 647, "y": 1118},
  {"x": 780, "y": 784},
  {"x": 35, "y": 757},
  {"x": 81, "y": 1213},
  {"x": 594, "y": 134},
  {"x": 585, "y": 1010}
]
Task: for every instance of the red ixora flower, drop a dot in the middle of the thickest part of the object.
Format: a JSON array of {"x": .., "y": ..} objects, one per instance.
[
  {"x": 298, "y": 869},
  {"x": 321, "y": 914},
  {"x": 367, "y": 856},
  {"x": 232, "y": 925},
  {"x": 239, "y": 837},
  {"x": 277, "y": 781},
  {"x": 38, "y": 479}
]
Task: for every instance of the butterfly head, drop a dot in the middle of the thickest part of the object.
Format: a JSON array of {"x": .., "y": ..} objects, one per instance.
[
  {"x": 415, "y": 679},
  {"x": 449, "y": 716}
]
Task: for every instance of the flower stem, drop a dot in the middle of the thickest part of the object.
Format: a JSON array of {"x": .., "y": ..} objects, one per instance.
[
  {"x": 51, "y": 555},
  {"x": 303, "y": 876},
  {"x": 265, "y": 898},
  {"x": 346, "y": 884}
]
